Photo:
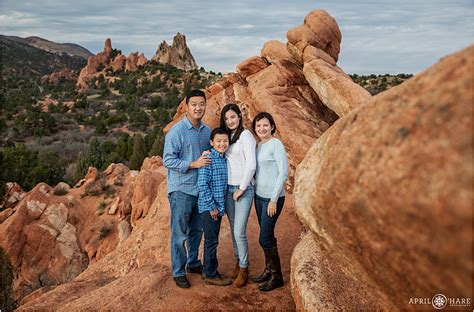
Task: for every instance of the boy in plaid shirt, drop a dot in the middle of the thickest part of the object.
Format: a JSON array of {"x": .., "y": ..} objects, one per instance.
[{"x": 212, "y": 187}]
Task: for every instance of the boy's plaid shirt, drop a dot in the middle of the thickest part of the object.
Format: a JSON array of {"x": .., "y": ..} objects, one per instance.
[{"x": 212, "y": 184}]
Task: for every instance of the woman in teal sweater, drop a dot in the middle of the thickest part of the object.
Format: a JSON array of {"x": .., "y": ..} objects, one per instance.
[{"x": 271, "y": 174}]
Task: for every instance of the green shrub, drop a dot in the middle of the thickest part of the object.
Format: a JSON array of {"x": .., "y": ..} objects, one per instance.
[
  {"x": 101, "y": 208},
  {"x": 7, "y": 302}
]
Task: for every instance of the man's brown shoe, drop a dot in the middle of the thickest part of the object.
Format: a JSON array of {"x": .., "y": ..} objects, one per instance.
[
  {"x": 242, "y": 277},
  {"x": 218, "y": 281}
]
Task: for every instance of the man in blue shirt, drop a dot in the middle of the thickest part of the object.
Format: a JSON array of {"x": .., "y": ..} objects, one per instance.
[
  {"x": 212, "y": 186},
  {"x": 184, "y": 144}
]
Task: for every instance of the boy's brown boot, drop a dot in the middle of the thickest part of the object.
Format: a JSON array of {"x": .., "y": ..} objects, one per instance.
[
  {"x": 242, "y": 277},
  {"x": 235, "y": 271}
]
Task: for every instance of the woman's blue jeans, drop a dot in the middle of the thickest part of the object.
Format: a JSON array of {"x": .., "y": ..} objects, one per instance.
[
  {"x": 267, "y": 224},
  {"x": 238, "y": 214}
]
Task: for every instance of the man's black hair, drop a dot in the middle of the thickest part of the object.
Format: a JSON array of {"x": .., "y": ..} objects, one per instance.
[
  {"x": 219, "y": 131},
  {"x": 195, "y": 92}
]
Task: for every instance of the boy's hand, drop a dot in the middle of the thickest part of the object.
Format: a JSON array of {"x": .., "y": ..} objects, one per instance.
[
  {"x": 238, "y": 194},
  {"x": 214, "y": 214},
  {"x": 200, "y": 162},
  {"x": 272, "y": 208}
]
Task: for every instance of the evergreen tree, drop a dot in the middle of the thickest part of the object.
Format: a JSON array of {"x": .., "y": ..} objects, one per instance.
[
  {"x": 157, "y": 148},
  {"x": 95, "y": 156},
  {"x": 139, "y": 152}
]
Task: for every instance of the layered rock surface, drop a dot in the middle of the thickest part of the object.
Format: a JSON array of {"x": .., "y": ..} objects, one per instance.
[
  {"x": 52, "y": 238},
  {"x": 384, "y": 194}
]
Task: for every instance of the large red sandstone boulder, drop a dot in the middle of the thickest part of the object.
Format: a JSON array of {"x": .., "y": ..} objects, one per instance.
[
  {"x": 385, "y": 192},
  {"x": 251, "y": 66},
  {"x": 316, "y": 46},
  {"x": 41, "y": 242},
  {"x": 152, "y": 173},
  {"x": 319, "y": 30},
  {"x": 275, "y": 50},
  {"x": 334, "y": 87}
]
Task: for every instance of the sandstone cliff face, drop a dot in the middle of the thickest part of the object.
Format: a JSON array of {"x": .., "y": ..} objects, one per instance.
[
  {"x": 384, "y": 194},
  {"x": 177, "y": 55},
  {"x": 52, "y": 238}
]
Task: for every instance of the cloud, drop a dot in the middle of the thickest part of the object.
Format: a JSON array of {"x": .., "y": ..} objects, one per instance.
[{"x": 378, "y": 37}]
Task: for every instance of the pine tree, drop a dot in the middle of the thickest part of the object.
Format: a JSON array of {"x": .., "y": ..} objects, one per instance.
[
  {"x": 95, "y": 156},
  {"x": 157, "y": 147},
  {"x": 139, "y": 152}
]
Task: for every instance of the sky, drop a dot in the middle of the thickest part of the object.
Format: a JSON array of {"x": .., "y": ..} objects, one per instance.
[{"x": 398, "y": 36}]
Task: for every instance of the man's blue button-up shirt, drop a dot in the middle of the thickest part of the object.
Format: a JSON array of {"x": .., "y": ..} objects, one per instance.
[
  {"x": 212, "y": 184},
  {"x": 183, "y": 144}
]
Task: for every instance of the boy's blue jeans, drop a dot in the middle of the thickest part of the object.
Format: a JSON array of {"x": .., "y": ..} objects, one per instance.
[
  {"x": 238, "y": 214},
  {"x": 211, "y": 240},
  {"x": 267, "y": 224},
  {"x": 186, "y": 225}
]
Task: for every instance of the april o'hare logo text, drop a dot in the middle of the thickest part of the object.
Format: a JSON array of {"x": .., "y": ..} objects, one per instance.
[{"x": 440, "y": 301}]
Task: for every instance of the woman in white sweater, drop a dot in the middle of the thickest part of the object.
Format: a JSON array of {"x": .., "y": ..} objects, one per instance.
[
  {"x": 241, "y": 165},
  {"x": 272, "y": 172}
]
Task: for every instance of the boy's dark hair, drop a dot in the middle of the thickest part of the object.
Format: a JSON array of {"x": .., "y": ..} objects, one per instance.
[
  {"x": 193, "y": 93},
  {"x": 263, "y": 115},
  {"x": 219, "y": 131},
  {"x": 240, "y": 128}
]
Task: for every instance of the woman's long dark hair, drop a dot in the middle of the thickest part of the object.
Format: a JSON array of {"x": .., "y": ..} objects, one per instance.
[{"x": 233, "y": 107}]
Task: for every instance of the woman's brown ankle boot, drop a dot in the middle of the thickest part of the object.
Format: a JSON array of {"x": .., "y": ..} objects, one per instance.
[
  {"x": 242, "y": 277},
  {"x": 235, "y": 271}
]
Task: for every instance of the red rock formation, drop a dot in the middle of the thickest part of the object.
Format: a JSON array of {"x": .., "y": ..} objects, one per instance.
[
  {"x": 65, "y": 74},
  {"x": 141, "y": 59},
  {"x": 131, "y": 63},
  {"x": 178, "y": 55},
  {"x": 52, "y": 238},
  {"x": 251, "y": 66},
  {"x": 316, "y": 45},
  {"x": 101, "y": 62},
  {"x": 385, "y": 192},
  {"x": 94, "y": 63},
  {"x": 118, "y": 63}
]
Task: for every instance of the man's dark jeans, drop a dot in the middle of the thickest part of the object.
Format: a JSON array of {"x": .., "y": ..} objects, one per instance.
[
  {"x": 267, "y": 224},
  {"x": 186, "y": 225},
  {"x": 211, "y": 240}
]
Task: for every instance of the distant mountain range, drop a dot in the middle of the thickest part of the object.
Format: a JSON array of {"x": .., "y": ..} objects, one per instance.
[
  {"x": 71, "y": 49},
  {"x": 34, "y": 56}
]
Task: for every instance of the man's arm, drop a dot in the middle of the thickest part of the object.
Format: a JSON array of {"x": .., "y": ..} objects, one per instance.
[{"x": 171, "y": 153}]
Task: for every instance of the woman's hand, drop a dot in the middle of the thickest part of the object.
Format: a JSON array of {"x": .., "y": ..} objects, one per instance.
[
  {"x": 238, "y": 194},
  {"x": 205, "y": 153},
  {"x": 271, "y": 209}
]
